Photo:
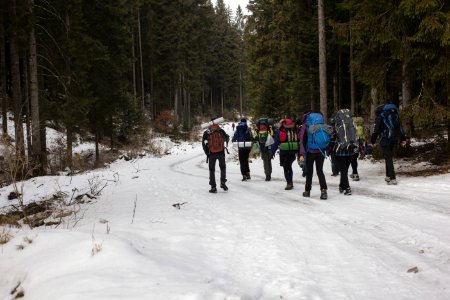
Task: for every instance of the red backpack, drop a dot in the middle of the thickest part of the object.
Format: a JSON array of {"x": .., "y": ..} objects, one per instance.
[
  {"x": 288, "y": 135},
  {"x": 216, "y": 139}
]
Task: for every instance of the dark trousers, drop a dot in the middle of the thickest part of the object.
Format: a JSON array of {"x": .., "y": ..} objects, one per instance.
[
  {"x": 220, "y": 156},
  {"x": 317, "y": 158},
  {"x": 343, "y": 162},
  {"x": 266, "y": 156},
  {"x": 243, "y": 160},
  {"x": 334, "y": 167},
  {"x": 286, "y": 160},
  {"x": 354, "y": 163},
  {"x": 388, "y": 153}
]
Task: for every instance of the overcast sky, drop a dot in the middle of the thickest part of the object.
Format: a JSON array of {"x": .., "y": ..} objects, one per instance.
[{"x": 234, "y": 4}]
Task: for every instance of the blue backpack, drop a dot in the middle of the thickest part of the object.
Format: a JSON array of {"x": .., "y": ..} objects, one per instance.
[
  {"x": 390, "y": 118},
  {"x": 242, "y": 133},
  {"x": 318, "y": 133}
]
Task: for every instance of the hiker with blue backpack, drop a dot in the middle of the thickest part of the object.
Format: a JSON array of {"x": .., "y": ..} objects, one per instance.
[
  {"x": 244, "y": 138},
  {"x": 287, "y": 139},
  {"x": 315, "y": 139},
  {"x": 389, "y": 127},
  {"x": 344, "y": 143}
]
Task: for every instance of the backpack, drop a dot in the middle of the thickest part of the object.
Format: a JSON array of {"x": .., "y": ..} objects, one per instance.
[
  {"x": 390, "y": 118},
  {"x": 243, "y": 136},
  {"x": 288, "y": 136},
  {"x": 359, "y": 124},
  {"x": 345, "y": 130},
  {"x": 264, "y": 128},
  {"x": 216, "y": 139},
  {"x": 318, "y": 133}
]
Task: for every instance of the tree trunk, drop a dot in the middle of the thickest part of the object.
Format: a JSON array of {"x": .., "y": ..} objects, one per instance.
[
  {"x": 240, "y": 89},
  {"x": 406, "y": 86},
  {"x": 3, "y": 78},
  {"x": 15, "y": 83},
  {"x": 335, "y": 89},
  {"x": 97, "y": 152},
  {"x": 406, "y": 96},
  {"x": 69, "y": 135},
  {"x": 141, "y": 66},
  {"x": 373, "y": 105},
  {"x": 34, "y": 100},
  {"x": 352, "y": 79},
  {"x": 322, "y": 60},
  {"x": 133, "y": 56},
  {"x": 222, "y": 98},
  {"x": 26, "y": 104}
]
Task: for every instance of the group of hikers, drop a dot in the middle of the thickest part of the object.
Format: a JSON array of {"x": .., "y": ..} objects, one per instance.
[{"x": 309, "y": 141}]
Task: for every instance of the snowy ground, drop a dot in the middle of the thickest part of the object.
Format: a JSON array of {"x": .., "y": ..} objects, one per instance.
[{"x": 255, "y": 241}]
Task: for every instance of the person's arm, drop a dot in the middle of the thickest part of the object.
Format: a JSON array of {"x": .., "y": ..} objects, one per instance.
[
  {"x": 205, "y": 143},
  {"x": 402, "y": 136},
  {"x": 226, "y": 137},
  {"x": 376, "y": 131},
  {"x": 302, "y": 150},
  {"x": 276, "y": 142}
]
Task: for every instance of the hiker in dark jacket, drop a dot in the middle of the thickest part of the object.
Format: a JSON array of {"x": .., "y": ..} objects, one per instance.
[
  {"x": 389, "y": 139},
  {"x": 287, "y": 139},
  {"x": 213, "y": 141},
  {"x": 342, "y": 158},
  {"x": 244, "y": 137}
]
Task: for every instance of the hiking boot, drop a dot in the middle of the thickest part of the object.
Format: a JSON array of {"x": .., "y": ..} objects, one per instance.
[
  {"x": 392, "y": 182},
  {"x": 323, "y": 194},
  {"x": 306, "y": 194},
  {"x": 341, "y": 190},
  {"x": 355, "y": 177},
  {"x": 213, "y": 190},
  {"x": 348, "y": 191},
  {"x": 268, "y": 178},
  {"x": 289, "y": 186},
  {"x": 244, "y": 177},
  {"x": 224, "y": 186},
  {"x": 248, "y": 176},
  {"x": 387, "y": 179}
]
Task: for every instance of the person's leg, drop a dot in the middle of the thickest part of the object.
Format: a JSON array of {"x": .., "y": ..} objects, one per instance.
[
  {"x": 354, "y": 163},
  {"x": 393, "y": 148},
  {"x": 334, "y": 167},
  {"x": 319, "y": 170},
  {"x": 246, "y": 155},
  {"x": 212, "y": 169},
  {"x": 289, "y": 173},
  {"x": 309, "y": 170},
  {"x": 267, "y": 161},
  {"x": 343, "y": 169},
  {"x": 387, "y": 152},
  {"x": 241, "y": 153},
  {"x": 223, "y": 167}
]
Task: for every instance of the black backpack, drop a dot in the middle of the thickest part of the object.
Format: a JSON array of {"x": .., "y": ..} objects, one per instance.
[{"x": 345, "y": 130}]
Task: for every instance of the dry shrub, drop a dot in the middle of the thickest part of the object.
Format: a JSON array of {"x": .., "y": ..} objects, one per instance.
[
  {"x": 4, "y": 236},
  {"x": 165, "y": 122}
]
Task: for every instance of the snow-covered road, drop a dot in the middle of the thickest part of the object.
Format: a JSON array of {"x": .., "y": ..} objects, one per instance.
[{"x": 255, "y": 241}]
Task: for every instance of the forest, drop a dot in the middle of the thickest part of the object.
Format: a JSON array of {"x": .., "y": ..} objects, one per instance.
[{"x": 109, "y": 70}]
